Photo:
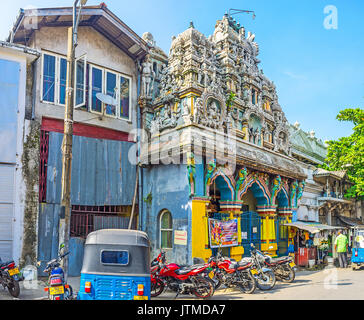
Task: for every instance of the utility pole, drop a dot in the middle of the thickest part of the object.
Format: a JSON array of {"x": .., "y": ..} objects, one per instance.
[{"x": 64, "y": 225}]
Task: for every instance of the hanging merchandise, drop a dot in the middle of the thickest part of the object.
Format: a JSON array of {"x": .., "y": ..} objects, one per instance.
[
  {"x": 307, "y": 236},
  {"x": 317, "y": 239}
]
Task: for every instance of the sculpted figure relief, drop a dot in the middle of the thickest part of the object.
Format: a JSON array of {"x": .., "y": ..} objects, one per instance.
[{"x": 147, "y": 77}]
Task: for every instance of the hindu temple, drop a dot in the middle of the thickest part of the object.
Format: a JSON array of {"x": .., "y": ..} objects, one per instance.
[{"x": 217, "y": 168}]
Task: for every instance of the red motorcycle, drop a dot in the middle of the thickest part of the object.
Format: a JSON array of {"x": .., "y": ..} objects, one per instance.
[
  {"x": 180, "y": 279},
  {"x": 230, "y": 273}
]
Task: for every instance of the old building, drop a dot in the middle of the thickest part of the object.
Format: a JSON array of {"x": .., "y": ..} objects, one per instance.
[
  {"x": 104, "y": 159},
  {"x": 15, "y": 161},
  {"x": 323, "y": 199},
  {"x": 310, "y": 152},
  {"x": 217, "y": 153}
]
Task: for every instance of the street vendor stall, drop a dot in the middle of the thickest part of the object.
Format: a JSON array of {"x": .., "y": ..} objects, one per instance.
[{"x": 311, "y": 241}]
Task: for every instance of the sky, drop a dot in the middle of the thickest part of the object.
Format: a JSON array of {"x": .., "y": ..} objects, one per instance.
[{"x": 317, "y": 70}]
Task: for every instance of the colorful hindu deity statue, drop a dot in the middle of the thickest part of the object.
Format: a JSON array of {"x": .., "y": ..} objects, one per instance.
[
  {"x": 241, "y": 178},
  {"x": 293, "y": 193},
  {"x": 210, "y": 171},
  {"x": 301, "y": 188},
  {"x": 191, "y": 170},
  {"x": 277, "y": 182}
]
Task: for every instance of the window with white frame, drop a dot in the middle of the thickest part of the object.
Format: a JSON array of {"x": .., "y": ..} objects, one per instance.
[
  {"x": 54, "y": 79},
  {"x": 89, "y": 81},
  {"x": 166, "y": 229},
  {"x": 114, "y": 85}
]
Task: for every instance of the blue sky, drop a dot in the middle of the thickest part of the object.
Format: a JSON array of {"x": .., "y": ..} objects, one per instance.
[{"x": 317, "y": 71}]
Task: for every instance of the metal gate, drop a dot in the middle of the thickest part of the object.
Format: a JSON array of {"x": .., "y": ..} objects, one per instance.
[
  {"x": 250, "y": 231},
  {"x": 282, "y": 236}
]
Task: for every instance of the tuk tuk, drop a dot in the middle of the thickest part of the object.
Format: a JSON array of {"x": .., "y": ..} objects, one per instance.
[
  {"x": 116, "y": 266},
  {"x": 357, "y": 257}
]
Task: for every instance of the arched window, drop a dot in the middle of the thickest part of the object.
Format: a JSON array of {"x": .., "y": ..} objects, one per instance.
[{"x": 166, "y": 230}]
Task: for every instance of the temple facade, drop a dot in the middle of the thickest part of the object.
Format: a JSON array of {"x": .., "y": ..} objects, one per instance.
[{"x": 217, "y": 165}]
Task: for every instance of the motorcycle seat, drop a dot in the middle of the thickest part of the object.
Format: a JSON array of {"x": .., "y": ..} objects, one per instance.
[
  {"x": 280, "y": 260},
  {"x": 5, "y": 264},
  {"x": 184, "y": 270},
  {"x": 244, "y": 263}
]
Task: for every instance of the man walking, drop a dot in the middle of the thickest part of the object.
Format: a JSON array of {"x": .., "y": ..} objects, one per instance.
[{"x": 341, "y": 247}]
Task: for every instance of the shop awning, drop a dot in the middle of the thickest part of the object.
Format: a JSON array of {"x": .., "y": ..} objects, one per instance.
[
  {"x": 311, "y": 227},
  {"x": 350, "y": 222}
]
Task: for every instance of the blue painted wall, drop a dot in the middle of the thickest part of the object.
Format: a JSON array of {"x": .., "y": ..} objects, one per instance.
[
  {"x": 9, "y": 92},
  {"x": 168, "y": 185}
]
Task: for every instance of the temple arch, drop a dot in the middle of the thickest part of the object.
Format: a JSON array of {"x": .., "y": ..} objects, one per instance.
[
  {"x": 259, "y": 189},
  {"x": 225, "y": 186}
]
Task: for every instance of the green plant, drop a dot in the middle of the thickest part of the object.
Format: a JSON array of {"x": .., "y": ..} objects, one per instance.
[
  {"x": 148, "y": 199},
  {"x": 230, "y": 101},
  {"x": 347, "y": 153}
]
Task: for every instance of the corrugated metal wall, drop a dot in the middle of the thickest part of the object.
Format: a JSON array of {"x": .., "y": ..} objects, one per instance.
[
  {"x": 101, "y": 175},
  {"x": 101, "y": 171}
]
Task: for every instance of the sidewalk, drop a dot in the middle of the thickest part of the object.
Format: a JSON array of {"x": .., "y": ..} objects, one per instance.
[{"x": 35, "y": 291}]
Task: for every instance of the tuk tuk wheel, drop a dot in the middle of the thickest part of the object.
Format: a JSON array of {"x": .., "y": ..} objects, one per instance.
[{"x": 354, "y": 267}]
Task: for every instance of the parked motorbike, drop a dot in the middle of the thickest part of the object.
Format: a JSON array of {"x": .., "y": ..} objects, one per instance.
[
  {"x": 57, "y": 287},
  {"x": 282, "y": 267},
  {"x": 230, "y": 273},
  {"x": 10, "y": 277},
  {"x": 180, "y": 279},
  {"x": 265, "y": 277},
  {"x": 157, "y": 285}
]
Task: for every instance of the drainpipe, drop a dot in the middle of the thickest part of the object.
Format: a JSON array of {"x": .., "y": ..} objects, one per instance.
[
  {"x": 34, "y": 89},
  {"x": 140, "y": 173}
]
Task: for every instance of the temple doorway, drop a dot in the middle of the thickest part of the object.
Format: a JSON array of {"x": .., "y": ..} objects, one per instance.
[{"x": 282, "y": 230}]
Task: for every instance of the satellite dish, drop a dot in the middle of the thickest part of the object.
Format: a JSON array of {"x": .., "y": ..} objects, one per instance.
[{"x": 104, "y": 98}]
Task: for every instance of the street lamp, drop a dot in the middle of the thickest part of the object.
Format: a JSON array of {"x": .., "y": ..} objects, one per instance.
[{"x": 64, "y": 225}]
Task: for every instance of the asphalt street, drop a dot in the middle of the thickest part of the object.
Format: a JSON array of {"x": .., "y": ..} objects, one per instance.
[{"x": 327, "y": 284}]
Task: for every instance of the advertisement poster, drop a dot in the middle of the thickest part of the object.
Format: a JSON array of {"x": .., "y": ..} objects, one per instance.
[{"x": 224, "y": 233}]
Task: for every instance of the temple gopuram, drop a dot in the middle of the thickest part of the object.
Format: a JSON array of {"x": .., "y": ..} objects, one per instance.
[{"x": 217, "y": 169}]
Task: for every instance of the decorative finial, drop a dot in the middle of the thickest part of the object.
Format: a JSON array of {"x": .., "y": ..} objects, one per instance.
[{"x": 191, "y": 25}]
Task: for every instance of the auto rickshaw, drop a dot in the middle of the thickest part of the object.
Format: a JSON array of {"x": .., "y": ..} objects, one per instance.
[
  {"x": 357, "y": 257},
  {"x": 116, "y": 266}
]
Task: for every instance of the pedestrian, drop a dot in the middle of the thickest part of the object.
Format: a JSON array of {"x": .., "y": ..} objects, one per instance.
[{"x": 341, "y": 247}]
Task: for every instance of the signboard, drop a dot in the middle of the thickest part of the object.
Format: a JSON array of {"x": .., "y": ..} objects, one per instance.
[
  {"x": 223, "y": 233},
  {"x": 180, "y": 237}
]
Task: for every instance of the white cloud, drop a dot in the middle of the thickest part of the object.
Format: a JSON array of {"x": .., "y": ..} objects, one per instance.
[{"x": 295, "y": 75}]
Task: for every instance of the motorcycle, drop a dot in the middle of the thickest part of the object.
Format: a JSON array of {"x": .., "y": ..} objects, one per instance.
[
  {"x": 10, "y": 277},
  {"x": 157, "y": 285},
  {"x": 230, "y": 273},
  {"x": 265, "y": 277},
  {"x": 180, "y": 279},
  {"x": 57, "y": 287},
  {"x": 282, "y": 267}
]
